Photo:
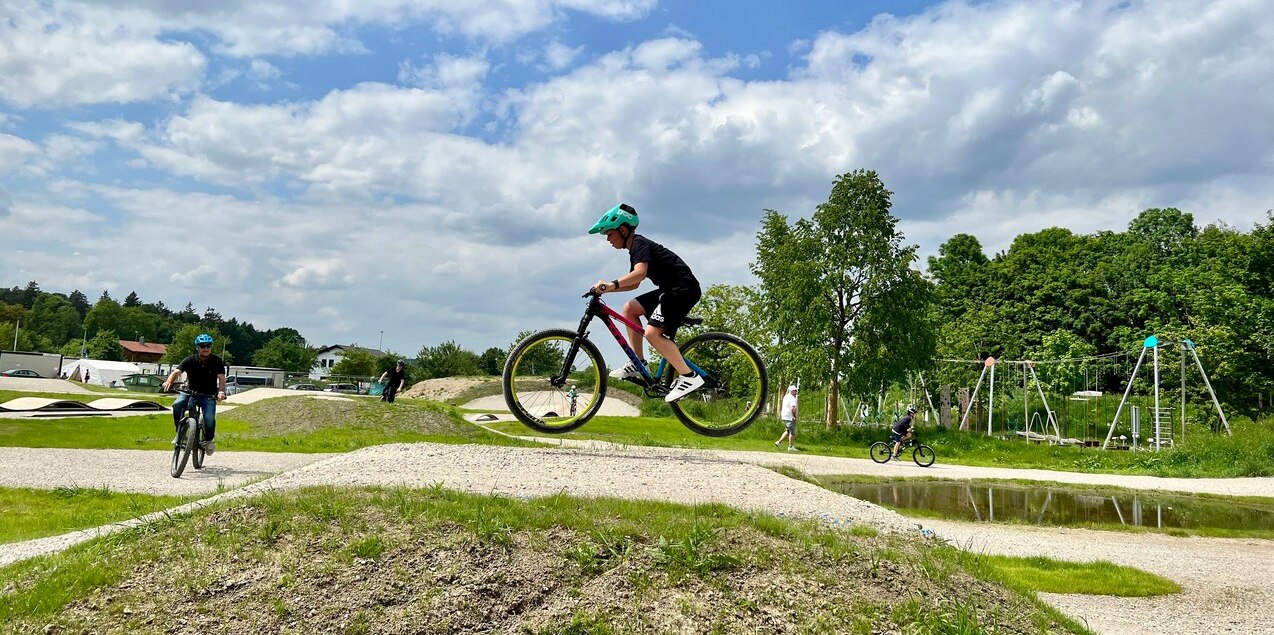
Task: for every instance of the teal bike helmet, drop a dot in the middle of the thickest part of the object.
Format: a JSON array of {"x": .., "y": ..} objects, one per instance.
[
  {"x": 622, "y": 214},
  {"x": 203, "y": 338}
]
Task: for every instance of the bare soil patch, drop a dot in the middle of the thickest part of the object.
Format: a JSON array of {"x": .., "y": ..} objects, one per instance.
[{"x": 453, "y": 389}]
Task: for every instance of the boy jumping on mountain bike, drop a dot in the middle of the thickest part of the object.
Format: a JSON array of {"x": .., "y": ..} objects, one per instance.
[{"x": 666, "y": 306}]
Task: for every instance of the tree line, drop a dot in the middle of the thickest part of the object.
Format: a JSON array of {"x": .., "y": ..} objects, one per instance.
[{"x": 841, "y": 299}]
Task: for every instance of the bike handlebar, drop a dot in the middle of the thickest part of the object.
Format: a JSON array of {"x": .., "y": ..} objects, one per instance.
[{"x": 193, "y": 393}]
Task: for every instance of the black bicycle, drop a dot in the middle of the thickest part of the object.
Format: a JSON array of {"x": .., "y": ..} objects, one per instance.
[
  {"x": 189, "y": 440},
  {"x": 923, "y": 455},
  {"x": 544, "y": 367}
]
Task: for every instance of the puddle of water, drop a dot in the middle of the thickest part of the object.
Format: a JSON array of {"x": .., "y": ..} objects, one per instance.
[{"x": 1056, "y": 506}]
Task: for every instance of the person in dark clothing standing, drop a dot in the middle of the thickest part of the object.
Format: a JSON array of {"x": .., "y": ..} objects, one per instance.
[
  {"x": 393, "y": 380},
  {"x": 206, "y": 375}
]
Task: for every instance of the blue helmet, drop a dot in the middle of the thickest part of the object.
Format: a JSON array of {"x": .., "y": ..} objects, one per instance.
[{"x": 203, "y": 338}]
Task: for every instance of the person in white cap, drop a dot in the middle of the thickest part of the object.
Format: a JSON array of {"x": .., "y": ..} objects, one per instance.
[{"x": 787, "y": 412}]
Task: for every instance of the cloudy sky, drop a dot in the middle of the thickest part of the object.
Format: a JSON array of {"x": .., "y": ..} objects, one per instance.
[{"x": 429, "y": 168}]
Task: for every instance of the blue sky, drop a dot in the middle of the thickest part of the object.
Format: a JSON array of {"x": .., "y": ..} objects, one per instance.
[{"x": 429, "y": 168}]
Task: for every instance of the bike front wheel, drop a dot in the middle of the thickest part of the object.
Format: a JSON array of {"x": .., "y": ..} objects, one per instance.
[
  {"x": 533, "y": 382},
  {"x": 923, "y": 455},
  {"x": 181, "y": 449},
  {"x": 735, "y": 383},
  {"x": 197, "y": 453},
  {"x": 880, "y": 452}
]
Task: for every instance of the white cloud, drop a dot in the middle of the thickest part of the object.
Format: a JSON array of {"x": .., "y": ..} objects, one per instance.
[
  {"x": 6, "y": 203},
  {"x": 261, "y": 70},
  {"x": 14, "y": 151},
  {"x": 65, "y": 57},
  {"x": 559, "y": 56}
]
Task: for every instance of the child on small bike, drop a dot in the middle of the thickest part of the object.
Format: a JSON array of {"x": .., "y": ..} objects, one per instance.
[
  {"x": 667, "y": 306},
  {"x": 902, "y": 431}
]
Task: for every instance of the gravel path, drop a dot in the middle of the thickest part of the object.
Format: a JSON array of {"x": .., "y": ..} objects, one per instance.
[{"x": 1229, "y": 584}]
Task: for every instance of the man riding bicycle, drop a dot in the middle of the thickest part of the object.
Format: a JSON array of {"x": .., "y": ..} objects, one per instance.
[
  {"x": 902, "y": 431},
  {"x": 667, "y": 306},
  {"x": 205, "y": 375}
]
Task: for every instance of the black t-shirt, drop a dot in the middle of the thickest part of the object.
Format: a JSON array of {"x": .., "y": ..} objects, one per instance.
[
  {"x": 395, "y": 377},
  {"x": 664, "y": 268},
  {"x": 202, "y": 376},
  {"x": 903, "y": 425}
]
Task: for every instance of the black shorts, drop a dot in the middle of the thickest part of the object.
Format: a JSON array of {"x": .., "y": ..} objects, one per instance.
[{"x": 668, "y": 309}]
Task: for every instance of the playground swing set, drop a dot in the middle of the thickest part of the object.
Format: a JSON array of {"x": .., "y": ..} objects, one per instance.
[{"x": 1084, "y": 407}]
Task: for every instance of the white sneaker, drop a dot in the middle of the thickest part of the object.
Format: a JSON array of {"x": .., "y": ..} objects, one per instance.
[
  {"x": 792, "y": 448},
  {"x": 209, "y": 447},
  {"x": 627, "y": 372},
  {"x": 683, "y": 386}
]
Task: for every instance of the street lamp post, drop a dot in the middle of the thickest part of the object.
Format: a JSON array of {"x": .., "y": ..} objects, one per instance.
[
  {"x": 84, "y": 344},
  {"x": 381, "y": 345}
]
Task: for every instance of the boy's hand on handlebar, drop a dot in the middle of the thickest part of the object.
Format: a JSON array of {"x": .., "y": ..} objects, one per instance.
[{"x": 602, "y": 286}]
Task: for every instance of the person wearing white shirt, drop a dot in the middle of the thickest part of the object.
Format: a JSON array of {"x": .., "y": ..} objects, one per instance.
[{"x": 787, "y": 412}]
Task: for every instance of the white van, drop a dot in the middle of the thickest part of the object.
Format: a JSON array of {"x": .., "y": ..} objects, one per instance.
[{"x": 240, "y": 383}]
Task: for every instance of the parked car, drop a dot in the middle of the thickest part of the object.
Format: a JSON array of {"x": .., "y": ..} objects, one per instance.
[
  {"x": 21, "y": 372},
  {"x": 349, "y": 389},
  {"x": 304, "y": 387}
]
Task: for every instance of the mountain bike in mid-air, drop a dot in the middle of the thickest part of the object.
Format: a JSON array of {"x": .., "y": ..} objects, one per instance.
[{"x": 542, "y": 368}]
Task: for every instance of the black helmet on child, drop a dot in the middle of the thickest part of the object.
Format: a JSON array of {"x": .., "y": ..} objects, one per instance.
[{"x": 911, "y": 410}]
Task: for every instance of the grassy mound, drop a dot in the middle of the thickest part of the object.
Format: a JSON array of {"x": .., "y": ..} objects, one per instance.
[{"x": 434, "y": 561}]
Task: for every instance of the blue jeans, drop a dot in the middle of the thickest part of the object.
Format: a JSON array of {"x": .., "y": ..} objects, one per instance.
[{"x": 209, "y": 405}]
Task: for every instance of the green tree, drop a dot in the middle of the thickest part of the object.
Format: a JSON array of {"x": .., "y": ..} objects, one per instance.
[
  {"x": 961, "y": 271},
  {"x": 132, "y": 300},
  {"x": 841, "y": 290},
  {"x": 55, "y": 318},
  {"x": 80, "y": 302},
  {"x": 287, "y": 352},
  {"x": 105, "y": 346},
  {"x": 106, "y": 315},
  {"x": 447, "y": 359},
  {"x": 492, "y": 360},
  {"x": 356, "y": 362},
  {"x": 26, "y": 342}
]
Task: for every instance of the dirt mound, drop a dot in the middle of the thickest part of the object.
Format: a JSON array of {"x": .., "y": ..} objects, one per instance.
[
  {"x": 430, "y": 561},
  {"x": 300, "y": 414},
  {"x": 449, "y": 389}
]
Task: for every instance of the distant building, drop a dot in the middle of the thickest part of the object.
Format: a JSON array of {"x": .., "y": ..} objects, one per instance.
[
  {"x": 142, "y": 351},
  {"x": 328, "y": 356}
]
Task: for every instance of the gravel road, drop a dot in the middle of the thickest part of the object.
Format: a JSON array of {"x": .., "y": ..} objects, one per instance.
[{"x": 1228, "y": 584}]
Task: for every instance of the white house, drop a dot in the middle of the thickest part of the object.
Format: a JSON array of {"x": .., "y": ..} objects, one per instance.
[{"x": 328, "y": 356}]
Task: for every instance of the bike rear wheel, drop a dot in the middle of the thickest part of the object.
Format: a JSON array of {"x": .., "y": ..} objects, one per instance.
[
  {"x": 733, "y": 394},
  {"x": 923, "y": 455},
  {"x": 533, "y": 387},
  {"x": 880, "y": 452},
  {"x": 181, "y": 449},
  {"x": 197, "y": 454}
]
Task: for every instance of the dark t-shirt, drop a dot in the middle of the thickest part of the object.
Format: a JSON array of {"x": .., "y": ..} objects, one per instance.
[
  {"x": 903, "y": 425},
  {"x": 664, "y": 268},
  {"x": 202, "y": 376},
  {"x": 395, "y": 377}
]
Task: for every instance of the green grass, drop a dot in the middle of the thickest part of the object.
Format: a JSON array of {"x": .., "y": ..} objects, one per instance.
[
  {"x": 1089, "y": 578},
  {"x": 467, "y": 562},
  {"x": 32, "y": 513},
  {"x": 1250, "y": 452},
  {"x": 284, "y": 424}
]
